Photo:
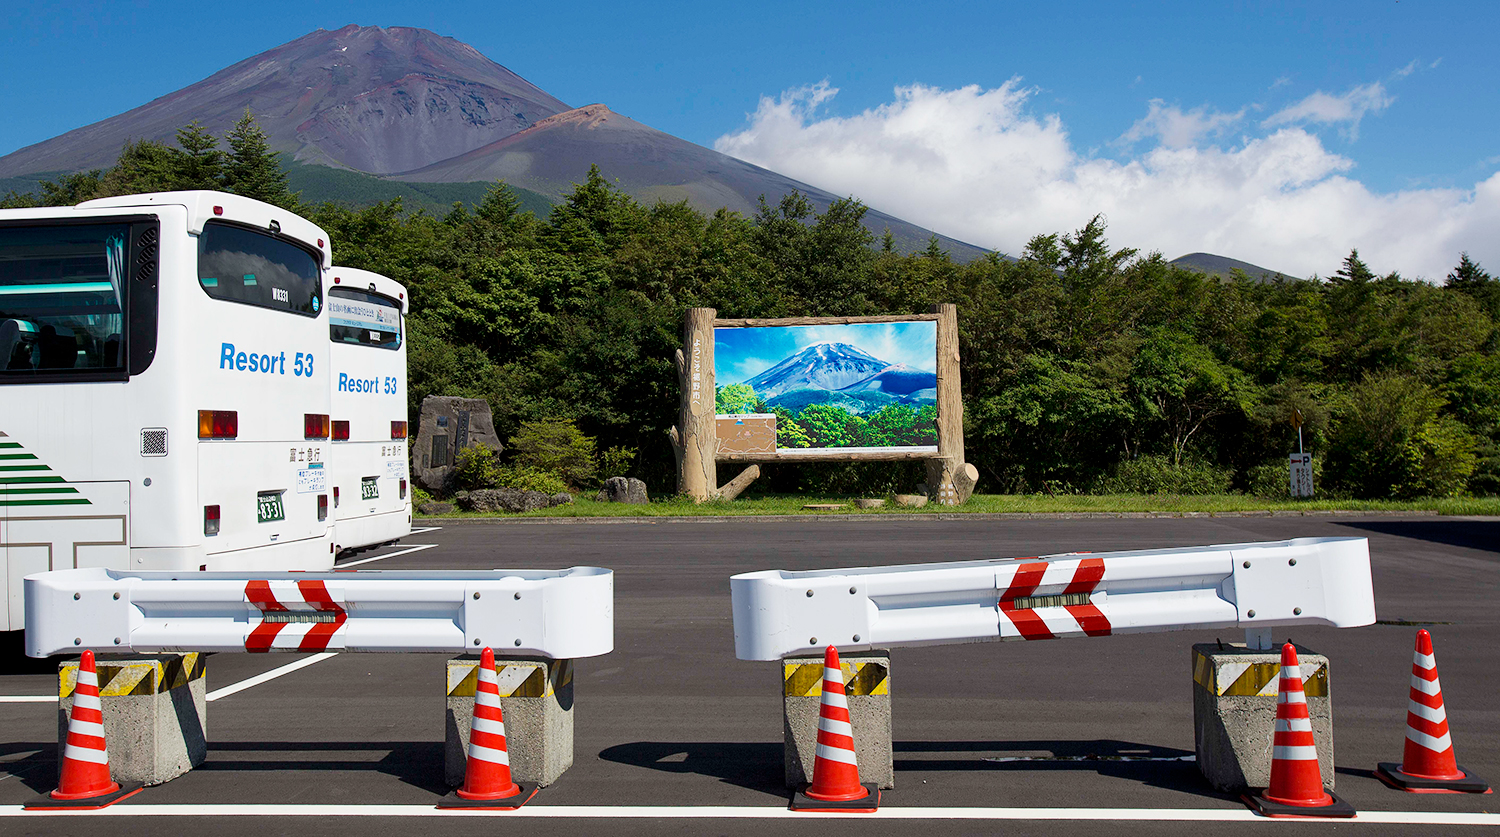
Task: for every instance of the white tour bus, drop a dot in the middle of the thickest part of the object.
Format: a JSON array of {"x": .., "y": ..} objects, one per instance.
[
  {"x": 164, "y": 392},
  {"x": 367, "y": 373}
]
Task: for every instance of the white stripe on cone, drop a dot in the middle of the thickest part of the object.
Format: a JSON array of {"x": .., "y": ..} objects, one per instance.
[{"x": 833, "y": 754}]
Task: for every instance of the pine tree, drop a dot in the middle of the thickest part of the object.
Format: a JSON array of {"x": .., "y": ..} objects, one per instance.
[
  {"x": 1353, "y": 272},
  {"x": 252, "y": 169},
  {"x": 198, "y": 163}
]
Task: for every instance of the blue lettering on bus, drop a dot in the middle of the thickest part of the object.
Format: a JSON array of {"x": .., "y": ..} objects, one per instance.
[
  {"x": 348, "y": 384},
  {"x": 262, "y": 362}
]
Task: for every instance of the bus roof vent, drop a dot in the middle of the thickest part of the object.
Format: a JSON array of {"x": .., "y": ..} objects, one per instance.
[{"x": 154, "y": 441}]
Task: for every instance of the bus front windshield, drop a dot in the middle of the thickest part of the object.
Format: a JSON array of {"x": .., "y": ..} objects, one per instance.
[
  {"x": 62, "y": 297},
  {"x": 363, "y": 318}
]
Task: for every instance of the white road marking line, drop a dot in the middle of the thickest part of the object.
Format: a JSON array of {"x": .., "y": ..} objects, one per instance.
[
  {"x": 406, "y": 551},
  {"x": 270, "y": 675},
  {"x": 131, "y": 809},
  {"x": 28, "y": 698},
  {"x": 425, "y": 529}
]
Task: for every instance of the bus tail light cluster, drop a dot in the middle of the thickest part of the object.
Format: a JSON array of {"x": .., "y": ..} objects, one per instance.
[
  {"x": 322, "y": 506},
  {"x": 398, "y": 430},
  {"x": 335, "y": 496},
  {"x": 210, "y": 520},
  {"x": 403, "y": 489},
  {"x": 341, "y": 431},
  {"x": 315, "y": 426},
  {"x": 218, "y": 424}
]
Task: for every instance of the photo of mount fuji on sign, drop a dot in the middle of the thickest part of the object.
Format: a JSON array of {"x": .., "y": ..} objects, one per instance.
[{"x": 835, "y": 387}]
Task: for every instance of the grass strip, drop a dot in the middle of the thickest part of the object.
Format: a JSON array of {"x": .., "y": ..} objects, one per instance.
[{"x": 1005, "y": 504}]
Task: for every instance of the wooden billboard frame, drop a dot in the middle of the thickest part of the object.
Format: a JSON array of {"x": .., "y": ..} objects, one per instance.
[{"x": 694, "y": 439}]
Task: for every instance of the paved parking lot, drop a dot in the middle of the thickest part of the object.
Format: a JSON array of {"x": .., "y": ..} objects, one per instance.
[{"x": 1038, "y": 734}]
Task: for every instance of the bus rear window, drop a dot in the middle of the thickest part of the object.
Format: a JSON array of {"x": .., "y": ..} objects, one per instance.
[
  {"x": 62, "y": 292},
  {"x": 255, "y": 268},
  {"x": 363, "y": 318}
]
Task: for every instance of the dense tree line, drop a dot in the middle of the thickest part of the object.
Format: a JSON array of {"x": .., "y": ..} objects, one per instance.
[{"x": 1085, "y": 367}]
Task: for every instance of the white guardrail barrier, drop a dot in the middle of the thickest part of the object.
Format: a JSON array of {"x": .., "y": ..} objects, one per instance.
[
  {"x": 1255, "y": 586},
  {"x": 562, "y": 614}
]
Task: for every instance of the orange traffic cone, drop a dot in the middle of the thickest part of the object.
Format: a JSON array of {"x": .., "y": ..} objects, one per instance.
[
  {"x": 1296, "y": 783},
  {"x": 85, "y": 783},
  {"x": 487, "y": 781},
  {"x": 1428, "y": 764},
  {"x": 835, "y": 785}
]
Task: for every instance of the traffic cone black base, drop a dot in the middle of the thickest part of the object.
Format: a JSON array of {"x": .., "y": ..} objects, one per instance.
[
  {"x": 92, "y": 803},
  {"x": 866, "y": 804},
  {"x": 509, "y": 803},
  {"x": 1390, "y": 773},
  {"x": 1337, "y": 809}
]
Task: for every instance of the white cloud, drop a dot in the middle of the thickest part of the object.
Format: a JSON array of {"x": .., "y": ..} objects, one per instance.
[
  {"x": 978, "y": 165},
  {"x": 1177, "y": 129},
  {"x": 1406, "y": 71},
  {"x": 1327, "y": 109}
]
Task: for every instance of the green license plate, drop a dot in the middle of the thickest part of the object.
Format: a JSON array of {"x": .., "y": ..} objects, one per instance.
[
  {"x": 369, "y": 488},
  {"x": 268, "y": 507}
]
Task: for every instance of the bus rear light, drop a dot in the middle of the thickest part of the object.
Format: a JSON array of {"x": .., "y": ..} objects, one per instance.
[
  {"x": 398, "y": 430},
  {"x": 320, "y": 244},
  {"x": 337, "y": 280},
  {"x": 403, "y": 489},
  {"x": 315, "y": 426},
  {"x": 341, "y": 431},
  {"x": 218, "y": 424},
  {"x": 218, "y": 210},
  {"x": 210, "y": 520},
  {"x": 335, "y": 496},
  {"x": 322, "y": 506}
]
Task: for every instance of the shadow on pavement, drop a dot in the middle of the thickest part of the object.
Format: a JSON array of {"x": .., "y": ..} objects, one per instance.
[
  {"x": 36, "y": 769},
  {"x": 752, "y": 766},
  {"x": 1482, "y": 535},
  {"x": 13, "y": 659},
  {"x": 759, "y": 766},
  {"x": 417, "y": 763},
  {"x": 1162, "y": 767}
]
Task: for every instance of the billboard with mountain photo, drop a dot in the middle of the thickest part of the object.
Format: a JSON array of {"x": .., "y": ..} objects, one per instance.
[{"x": 835, "y": 388}]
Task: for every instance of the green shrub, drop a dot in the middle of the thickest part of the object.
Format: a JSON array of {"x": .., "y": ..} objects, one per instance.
[
  {"x": 526, "y": 478},
  {"x": 1157, "y": 475},
  {"x": 1389, "y": 440},
  {"x": 419, "y": 495},
  {"x": 475, "y": 469},
  {"x": 555, "y": 445},
  {"x": 617, "y": 462},
  {"x": 1272, "y": 480}
]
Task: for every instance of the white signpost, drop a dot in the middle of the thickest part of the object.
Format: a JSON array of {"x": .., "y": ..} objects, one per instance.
[
  {"x": 1300, "y": 472},
  {"x": 1301, "y": 475}
]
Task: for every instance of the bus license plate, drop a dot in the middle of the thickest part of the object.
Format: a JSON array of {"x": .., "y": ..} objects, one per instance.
[
  {"x": 369, "y": 488},
  {"x": 268, "y": 507}
]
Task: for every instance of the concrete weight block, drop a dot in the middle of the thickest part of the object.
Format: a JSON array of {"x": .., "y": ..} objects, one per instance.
[
  {"x": 155, "y": 713},
  {"x": 1234, "y": 712},
  {"x": 536, "y": 700},
  {"x": 867, "y": 682}
]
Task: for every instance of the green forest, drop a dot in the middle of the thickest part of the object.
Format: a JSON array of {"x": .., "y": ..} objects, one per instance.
[
  {"x": 1087, "y": 366},
  {"x": 832, "y": 426}
]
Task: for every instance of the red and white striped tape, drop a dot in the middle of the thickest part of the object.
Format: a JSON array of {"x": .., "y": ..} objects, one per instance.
[
  {"x": 1051, "y": 578},
  {"x": 293, "y": 597}
]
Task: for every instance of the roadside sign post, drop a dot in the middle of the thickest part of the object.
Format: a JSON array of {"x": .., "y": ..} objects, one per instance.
[{"x": 1300, "y": 464}]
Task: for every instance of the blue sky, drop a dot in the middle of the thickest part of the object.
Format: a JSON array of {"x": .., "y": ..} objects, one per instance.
[
  {"x": 1279, "y": 133},
  {"x": 742, "y": 353}
]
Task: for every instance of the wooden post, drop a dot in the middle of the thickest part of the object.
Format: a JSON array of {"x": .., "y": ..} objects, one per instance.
[
  {"x": 732, "y": 489},
  {"x": 695, "y": 439},
  {"x": 950, "y": 409}
]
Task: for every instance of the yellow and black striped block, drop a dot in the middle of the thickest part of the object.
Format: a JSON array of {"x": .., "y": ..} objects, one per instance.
[
  {"x": 517, "y": 678},
  {"x": 119, "y": 678},
  {"x": 805, "y": 678},
  {"x": 1235, "y": 678}
]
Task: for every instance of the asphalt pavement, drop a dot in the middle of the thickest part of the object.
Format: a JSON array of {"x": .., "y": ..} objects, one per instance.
[{"x": 1064, "y": 729}]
